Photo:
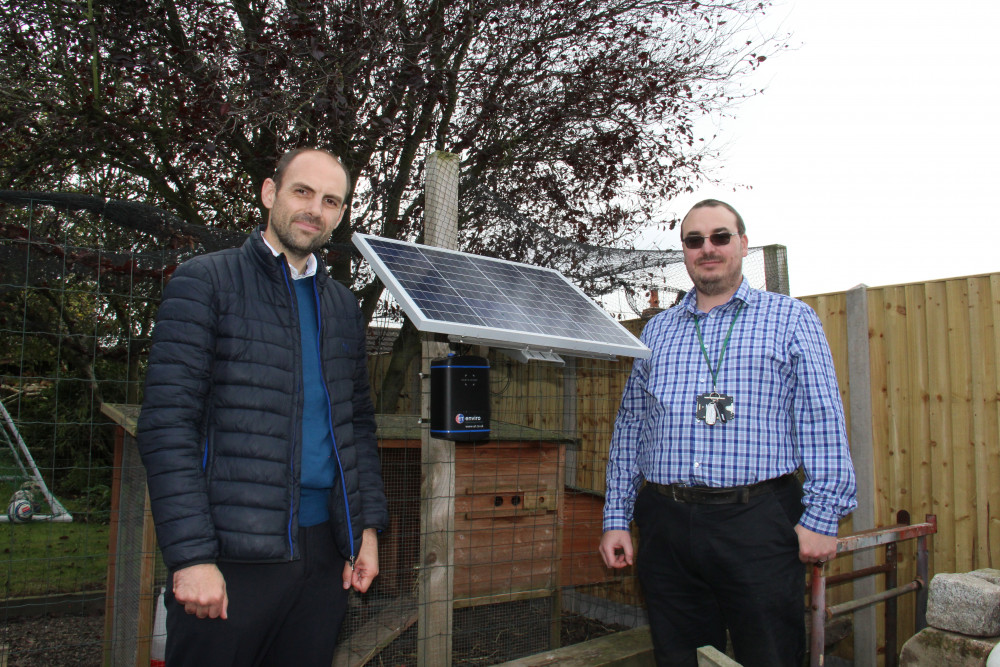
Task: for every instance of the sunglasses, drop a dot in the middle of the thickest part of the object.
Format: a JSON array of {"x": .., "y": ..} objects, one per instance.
[{"x": 718, "y": 238}]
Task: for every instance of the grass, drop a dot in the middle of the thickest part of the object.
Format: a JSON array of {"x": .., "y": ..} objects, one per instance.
[{"x": 41, "y": 558}]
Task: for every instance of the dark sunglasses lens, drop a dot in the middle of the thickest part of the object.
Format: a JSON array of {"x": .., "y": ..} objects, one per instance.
[
  {"x": 694, "y": 242},
  {"x": 721, "y": 239}
]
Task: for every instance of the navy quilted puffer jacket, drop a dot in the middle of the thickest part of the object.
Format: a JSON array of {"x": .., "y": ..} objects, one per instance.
[{"x": 220, "y": 427}]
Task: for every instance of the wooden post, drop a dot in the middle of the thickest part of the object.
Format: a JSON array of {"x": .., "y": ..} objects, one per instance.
[
  {"x": 776, "y": 269},
  {"x": 130, "y": 596},
  {"x": 437, "y": 532},
  {"x": 109, "y": 590},
  {"x": 436, "y": 575},
  {"x": 863, "y": 455},
  {"x": 569, "y": 421}
]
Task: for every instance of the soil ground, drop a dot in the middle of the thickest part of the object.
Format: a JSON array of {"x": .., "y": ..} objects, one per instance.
[
  {"x": 483, "y": 636},
  {"x": 54, "y": 641}
]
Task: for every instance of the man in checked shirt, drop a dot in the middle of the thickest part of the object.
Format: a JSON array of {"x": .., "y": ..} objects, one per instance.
[{"x": 739, "y": 394}]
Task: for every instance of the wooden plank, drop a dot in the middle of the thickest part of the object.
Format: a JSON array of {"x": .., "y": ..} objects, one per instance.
[
  {"x": 920, "y": 461},
  {"x": 509, "y": 513},
  {"x": 985, "y": 393},
  {"x": 483, "y": 581},
  {"x": 486, "y": 487},
  {"x": 501, "y": 555},
  {"x": 879, "y": 415},
  {"x": 959, "y": 408},
  {"x": 581, "y": 533},
  {"x": 376, "y": 634},
  {"x": 585, "y": 421},
  {"x": 992, "y": 471},
  {"x": 898, "y": 416},
  {"x": 496, "y": 598},
  {"x": 569, "y": 418},
  {"x": 942, "y": 459},
  {"x": 630, "y": 648},
  {"x": 147, "y": 590},
  {"x": 898, "y": 407},
  {"x": 555, "y": 630}
]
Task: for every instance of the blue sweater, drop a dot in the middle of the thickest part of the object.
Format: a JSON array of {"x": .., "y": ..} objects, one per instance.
[{"x": 318, "y": 464}]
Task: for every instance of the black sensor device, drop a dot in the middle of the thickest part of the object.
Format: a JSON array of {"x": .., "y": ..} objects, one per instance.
[{"x": 460, "y": 398}]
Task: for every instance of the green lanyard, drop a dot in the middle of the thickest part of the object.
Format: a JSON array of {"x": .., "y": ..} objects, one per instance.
[{"x": 725, "y": 344}]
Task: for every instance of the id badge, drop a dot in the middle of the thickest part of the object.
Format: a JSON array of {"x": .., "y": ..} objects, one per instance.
[{"x": 714, "y": 407}]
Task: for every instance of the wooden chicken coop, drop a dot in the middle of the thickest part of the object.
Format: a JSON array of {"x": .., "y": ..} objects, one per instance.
[{"x": 509, "y": 508}]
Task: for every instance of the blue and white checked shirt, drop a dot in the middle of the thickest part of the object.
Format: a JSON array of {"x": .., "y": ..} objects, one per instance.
[{"x": 788, "y": 412}]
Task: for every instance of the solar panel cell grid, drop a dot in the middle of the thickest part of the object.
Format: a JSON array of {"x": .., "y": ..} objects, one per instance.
[{"x": 470, "y": 296}]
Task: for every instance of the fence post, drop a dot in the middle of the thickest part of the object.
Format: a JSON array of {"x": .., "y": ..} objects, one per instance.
[
  {"x": 436, "y": 577},
  {"x": 776, "y": 269},
  {"x": 862, "y": 453}
]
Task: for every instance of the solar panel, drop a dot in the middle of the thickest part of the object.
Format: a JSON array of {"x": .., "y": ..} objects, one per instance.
[{"x": 495, "y": 301}]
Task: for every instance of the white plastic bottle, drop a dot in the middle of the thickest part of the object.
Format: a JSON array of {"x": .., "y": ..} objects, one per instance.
[{"x": 158, "y": 643}]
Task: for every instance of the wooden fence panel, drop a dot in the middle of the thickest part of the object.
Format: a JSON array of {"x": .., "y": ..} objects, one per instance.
[
  {"x": 934, "y": 351},
  {"x": 599, "y": 392}
]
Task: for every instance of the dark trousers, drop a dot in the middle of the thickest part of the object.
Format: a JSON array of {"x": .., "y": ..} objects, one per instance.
[
  {"x": 706, "y": 568},
  {"x": 279, "y": 613}
]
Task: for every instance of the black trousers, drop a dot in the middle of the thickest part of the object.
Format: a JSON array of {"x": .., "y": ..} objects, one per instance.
[
  {"x": 279, "y": 613},
  {"x": 706, "y": 568}
]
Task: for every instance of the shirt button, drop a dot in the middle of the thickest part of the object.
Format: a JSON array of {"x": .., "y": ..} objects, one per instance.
[{"x": 696, "y": 464}]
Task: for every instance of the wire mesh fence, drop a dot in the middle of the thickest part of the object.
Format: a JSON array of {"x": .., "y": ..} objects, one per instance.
[{"x": 78, "y": 297}]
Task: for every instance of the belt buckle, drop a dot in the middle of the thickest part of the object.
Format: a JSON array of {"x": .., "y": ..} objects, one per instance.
[
  {"x": 743, "y": 495},
  {"x": 673, "y": 492}
]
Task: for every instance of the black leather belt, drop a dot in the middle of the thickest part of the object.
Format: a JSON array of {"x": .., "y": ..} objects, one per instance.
[{"x": 705, "y": 495}]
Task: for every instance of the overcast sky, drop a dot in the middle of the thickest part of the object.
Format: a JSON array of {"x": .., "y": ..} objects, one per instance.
[{"x": 872, "y": 154}]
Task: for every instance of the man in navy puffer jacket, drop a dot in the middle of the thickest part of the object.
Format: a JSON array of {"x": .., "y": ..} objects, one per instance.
[{"x": 258, "y": 436}]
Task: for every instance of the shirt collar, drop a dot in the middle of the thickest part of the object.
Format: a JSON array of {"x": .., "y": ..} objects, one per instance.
[{"x": 311, "y": 262}]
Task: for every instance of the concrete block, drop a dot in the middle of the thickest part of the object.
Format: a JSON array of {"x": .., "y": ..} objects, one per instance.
[
  {"x": 964, "y": 603},
  {"x": 932, "y": 647}
]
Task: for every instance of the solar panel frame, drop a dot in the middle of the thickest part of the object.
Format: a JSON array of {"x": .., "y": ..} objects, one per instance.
[{"x": 495, "y": 301}]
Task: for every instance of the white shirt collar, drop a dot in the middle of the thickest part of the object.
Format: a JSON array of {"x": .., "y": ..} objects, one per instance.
[{"x": 311, "y": 263}]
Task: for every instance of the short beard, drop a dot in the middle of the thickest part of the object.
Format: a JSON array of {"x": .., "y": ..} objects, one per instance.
[
  {"x": 712, "y": 287},
  {"x": 720, "y": 284},
  {"x": 283, "y": 232}
]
